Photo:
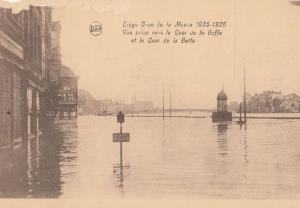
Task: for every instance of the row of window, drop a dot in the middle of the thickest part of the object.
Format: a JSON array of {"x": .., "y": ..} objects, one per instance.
[{"x": 66, "y": 96}]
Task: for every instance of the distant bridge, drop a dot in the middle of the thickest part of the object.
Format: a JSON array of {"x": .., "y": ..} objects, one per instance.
[{"x": 186, "y": 110}]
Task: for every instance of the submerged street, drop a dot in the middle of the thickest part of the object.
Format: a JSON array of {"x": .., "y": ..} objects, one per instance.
[{"x": 184, "y": 157}]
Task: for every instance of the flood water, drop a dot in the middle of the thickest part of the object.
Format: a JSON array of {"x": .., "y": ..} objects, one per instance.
[{"x": 175, "y": 157}]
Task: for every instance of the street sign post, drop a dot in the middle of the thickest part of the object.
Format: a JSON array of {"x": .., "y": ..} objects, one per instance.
[
  {"x": 121, "y": 137},
  {"x": 121, "y": 117}
]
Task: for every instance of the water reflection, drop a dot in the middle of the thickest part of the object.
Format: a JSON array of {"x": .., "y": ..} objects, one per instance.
[
  {"x": 12, "y": 174},
  {"x": 222, "y": 138},
  {"x": 258, "y": 163},
  {"x": 245, "y": 149},
  {"x": 36, "y": 171},
  {"x": 120, "y": 174}
]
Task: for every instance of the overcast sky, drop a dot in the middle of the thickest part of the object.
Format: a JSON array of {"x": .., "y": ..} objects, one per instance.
[{"x": 263, "y": 35}]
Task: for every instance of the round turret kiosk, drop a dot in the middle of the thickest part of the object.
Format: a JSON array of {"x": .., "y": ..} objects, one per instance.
[
  {"x": 222, "y": 102},
  {"x": 222, "y": 114}
]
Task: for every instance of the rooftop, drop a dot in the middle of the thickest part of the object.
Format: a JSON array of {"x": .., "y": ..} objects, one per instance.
[{"x": 222, "y": 95}]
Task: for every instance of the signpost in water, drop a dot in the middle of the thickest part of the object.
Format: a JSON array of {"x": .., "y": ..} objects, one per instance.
[{"x": 121, "y": 137}]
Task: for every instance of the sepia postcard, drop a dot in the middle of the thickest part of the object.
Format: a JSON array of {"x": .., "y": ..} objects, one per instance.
[{"x": 136, "y": 103}]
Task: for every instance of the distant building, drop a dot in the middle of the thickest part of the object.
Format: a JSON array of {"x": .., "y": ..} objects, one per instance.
[
  {"x": 88, "y": 105},
  {"x": 68, "y": 93},
  {"x": 107, "y": 106},
  {"x": 273, "y": 102},
  {"x": 222, "y": 114},
  {"x": 290, "y": 106},
  {"x": 143, "y": 106}
]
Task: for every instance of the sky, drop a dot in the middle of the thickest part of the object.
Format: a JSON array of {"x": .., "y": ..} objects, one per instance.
[{"x": 263, "y": 36}]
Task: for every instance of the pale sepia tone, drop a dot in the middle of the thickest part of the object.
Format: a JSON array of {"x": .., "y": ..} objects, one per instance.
[{"x": 217, "y": 119}]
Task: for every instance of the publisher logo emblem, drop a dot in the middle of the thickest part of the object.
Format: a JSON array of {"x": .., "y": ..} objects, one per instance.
[{"x": 95, "y": 28}]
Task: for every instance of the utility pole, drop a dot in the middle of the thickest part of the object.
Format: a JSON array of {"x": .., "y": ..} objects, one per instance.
[
  {"x": 132, "y": 107},
  {"x": 245, "y": 105},
  {"x": 170, "y": 105},
  {"x": 121, "y": 137},
  {"x": 121, "y": 148},
  {"x": 163, "y": 104}
]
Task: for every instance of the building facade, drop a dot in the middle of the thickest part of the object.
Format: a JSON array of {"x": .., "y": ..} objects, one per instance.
[
  {"x": 12, "y": 80},
  {"x": 273, "y": 102},
  {"x": 68, "y": 93},
  {"x": 29, "y": 64},
  {"x": 36, "y": 23}
]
